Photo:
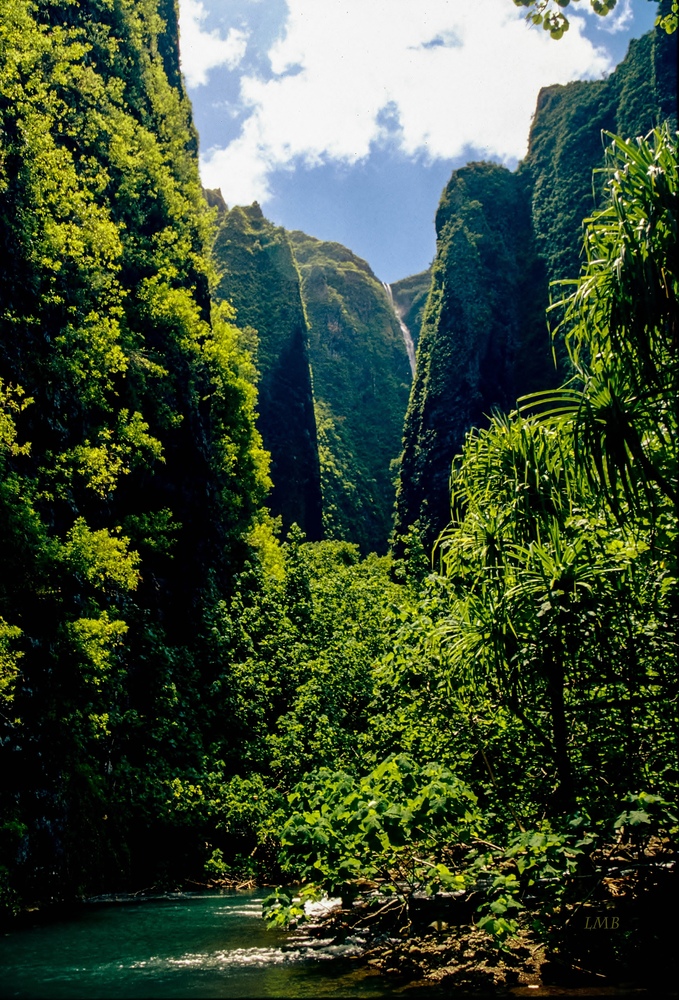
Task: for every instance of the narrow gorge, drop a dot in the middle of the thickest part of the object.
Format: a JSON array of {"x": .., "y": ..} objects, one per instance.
[{"x": 310, "y": 620}]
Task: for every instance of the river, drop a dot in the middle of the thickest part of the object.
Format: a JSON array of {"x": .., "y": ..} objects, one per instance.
[{"x": 179, "y": 945}]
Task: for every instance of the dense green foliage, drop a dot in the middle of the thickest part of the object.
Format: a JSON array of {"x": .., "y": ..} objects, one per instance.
[
  {"x": 501, "y": 238},
  {"x": 155, "y": 640},
  {"x": 507, "y": 726},
  {"x": 258, "y": 276},
  {"x": 294, "y": 651},
  {"x": 130, "y": 470},
  {"x": 361, "y": 383},
  {"x": 344, "y": 828}
]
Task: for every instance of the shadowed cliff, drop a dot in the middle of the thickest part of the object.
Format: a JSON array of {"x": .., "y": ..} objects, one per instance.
[
  {"x": 361, "y": 383},
  {"x": 260, "y": 279}
]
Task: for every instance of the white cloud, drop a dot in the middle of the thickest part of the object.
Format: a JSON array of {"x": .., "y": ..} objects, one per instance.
[
  {"x": 201, "y": 50},
  {"x": 618, "y": 21},
  {"x": 454, "y": 74}
]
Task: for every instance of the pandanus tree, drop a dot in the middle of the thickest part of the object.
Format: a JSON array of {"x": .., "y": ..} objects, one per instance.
[
  {"x": 561, "y": 556},
  {"x": 621, "y": 327}
]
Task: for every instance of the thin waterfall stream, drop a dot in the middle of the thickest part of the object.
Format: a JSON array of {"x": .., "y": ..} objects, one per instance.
[{"x": 407, "y": 338}]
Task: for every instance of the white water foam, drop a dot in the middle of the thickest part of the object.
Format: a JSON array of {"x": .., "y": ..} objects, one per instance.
[
  {"x": 302, "y": 950},
  {"x": 222, "y": 959},
  {"x": 322, "y": 907},
  {"x": 248, "y": 910}
]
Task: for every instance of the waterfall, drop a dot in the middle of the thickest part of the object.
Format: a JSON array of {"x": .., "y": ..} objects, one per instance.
[{"x": 407, "y": 339}]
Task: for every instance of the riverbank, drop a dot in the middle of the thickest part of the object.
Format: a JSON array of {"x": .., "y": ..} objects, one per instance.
[
  {"x": 398, "y": 940},
  {"x": 462, "y": 958}
]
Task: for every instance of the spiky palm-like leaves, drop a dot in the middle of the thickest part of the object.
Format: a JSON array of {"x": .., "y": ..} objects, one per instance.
[
  {"x": 561, "y": 558},
  {"x": 621, "y": 327}
]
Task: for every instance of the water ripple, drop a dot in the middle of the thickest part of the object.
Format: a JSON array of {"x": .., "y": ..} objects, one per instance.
[{"x": 222, "y": 959}]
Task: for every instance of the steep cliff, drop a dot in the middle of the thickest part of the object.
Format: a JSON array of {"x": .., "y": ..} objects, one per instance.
[
  {"x": 566, "y": 142},
  {"x": 501, "y": 238},
  {"x": 361, "y": 381},
  {"x": 483, "y": 338},
  {"x": 260, "y": 279}
]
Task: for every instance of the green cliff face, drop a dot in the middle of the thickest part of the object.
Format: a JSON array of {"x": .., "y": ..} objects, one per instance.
[
  {"x": 130, "y": 469},
  {"x": 480, "y": 329},
  {"x": 566, "y": 145},
  {"x": 501, "y": 238},
  {"x": 361, "y": 382},
  {"x": 260, "y": 279}
]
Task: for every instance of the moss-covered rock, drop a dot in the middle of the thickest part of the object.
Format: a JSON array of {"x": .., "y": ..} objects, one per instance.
[
  {"x": 361, "y": 383},
  {"x": 566, "y": 143},
  {"x": 260, "y": 279},
  {"x": 483, "y": 337}
]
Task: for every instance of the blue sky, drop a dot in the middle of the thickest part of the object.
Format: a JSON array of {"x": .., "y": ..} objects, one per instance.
[{"x": 345, "y": 118}]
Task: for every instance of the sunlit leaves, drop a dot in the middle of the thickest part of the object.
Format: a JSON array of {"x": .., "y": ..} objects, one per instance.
[
  {"x": 388, "y": 824},
  {"x": 547, "y": 14},
  {"x": 668, "y": 22},
  {"x": 95, "y": 640},
  {"x": 10, "y": 657},
  {"x": 101, "y": 557},
  {"x": 12, "y": 402}
]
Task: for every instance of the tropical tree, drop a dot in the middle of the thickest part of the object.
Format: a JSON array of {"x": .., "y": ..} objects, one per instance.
[
  {"x": 622, "y": 334},
  {"x": 561, "y": 558}
]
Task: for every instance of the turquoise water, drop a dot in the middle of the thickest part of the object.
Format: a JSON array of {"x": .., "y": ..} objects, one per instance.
[{"x": 207, "y": 945}]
